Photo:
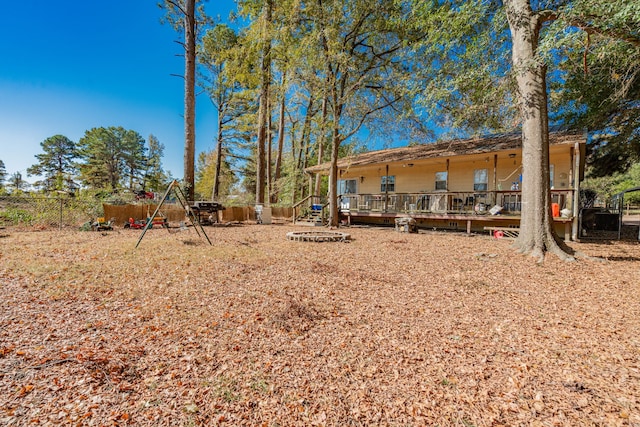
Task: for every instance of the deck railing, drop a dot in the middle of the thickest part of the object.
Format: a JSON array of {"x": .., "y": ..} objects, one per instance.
[{"x": 446, "y": 202}]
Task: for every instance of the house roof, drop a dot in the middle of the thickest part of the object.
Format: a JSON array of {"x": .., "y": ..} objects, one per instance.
[{"x": 456, "y": 147}]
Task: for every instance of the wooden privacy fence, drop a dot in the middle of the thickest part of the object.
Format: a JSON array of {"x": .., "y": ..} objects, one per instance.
[{"x": 175, "y": 213}]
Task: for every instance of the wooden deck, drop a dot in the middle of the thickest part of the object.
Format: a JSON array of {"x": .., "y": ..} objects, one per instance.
[{"x": 451, "y": 221}]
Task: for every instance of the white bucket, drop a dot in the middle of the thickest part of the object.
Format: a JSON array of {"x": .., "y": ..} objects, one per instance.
[{"x": 266, "y": 215}]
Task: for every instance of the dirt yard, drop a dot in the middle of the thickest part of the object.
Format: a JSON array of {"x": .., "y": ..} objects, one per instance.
[{"x": 390, "y": 329}]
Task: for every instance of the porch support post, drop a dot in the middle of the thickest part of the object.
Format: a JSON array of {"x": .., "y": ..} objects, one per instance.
[
  {"x": 576, "y": 191},
  {"x": 495, "y": 179},
  {"x": 447, "y": 174},
  {"x": 386, "y": 189}
]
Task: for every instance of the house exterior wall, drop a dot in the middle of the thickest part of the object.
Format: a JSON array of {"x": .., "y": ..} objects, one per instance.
[
  {"x": 561, "y": 159},
  {"x": 508, "y": 171},
  {"x": 461, "y": 173},
  {"x": 416, "y": 179},
  {"x": 420, "y": 176}
]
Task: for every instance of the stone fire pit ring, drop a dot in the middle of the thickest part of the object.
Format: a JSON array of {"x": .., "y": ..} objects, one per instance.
[{"x": 318, "y": 236}]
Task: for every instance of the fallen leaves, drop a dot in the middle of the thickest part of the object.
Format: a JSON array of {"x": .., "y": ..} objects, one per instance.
[
  {"x": 25, "y": 389},
  {"x": 6, "y": 350},
  {"x": 417, "y": 329}
]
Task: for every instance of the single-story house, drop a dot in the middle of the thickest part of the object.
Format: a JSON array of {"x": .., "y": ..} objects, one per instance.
[{"x": 464, "y": 184}]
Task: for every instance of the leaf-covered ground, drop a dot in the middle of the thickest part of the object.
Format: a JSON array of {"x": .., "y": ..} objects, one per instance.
[{"x": 391, "y": 329}]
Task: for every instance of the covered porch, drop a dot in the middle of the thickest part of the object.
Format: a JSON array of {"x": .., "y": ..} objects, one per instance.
[
  {"x": 461, "y": 211},
  {"x": 461, "y": 185}
]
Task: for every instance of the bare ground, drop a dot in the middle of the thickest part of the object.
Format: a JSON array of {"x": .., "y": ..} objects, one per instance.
[{"x": 390, "y": 329}]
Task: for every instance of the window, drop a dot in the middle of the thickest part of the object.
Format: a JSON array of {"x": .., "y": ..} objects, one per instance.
[
  {"x": 347, "y": 186},
  {"x": 480, "y": 180},
  {"x": 387, "y": 183},
  {"x": 551, "y": 173},
  {"x": 441, "y": 180}
]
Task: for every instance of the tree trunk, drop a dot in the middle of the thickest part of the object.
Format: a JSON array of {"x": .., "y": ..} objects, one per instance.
[
  {"x": 189, "y": 98},
  {"x": 261, "y": 154},
  {"x": 265, "y": 80},
  {"x": 336, "y": 139},
  {"x": 322, "y": 133},
  {"x": 303, "y": 154},
  {"x": 216, "y": 179},
  {"x": 334, "y": 214},
  {"x": 221, "y": 105},
  {"x": 278, "y": 165},
  {"x": 537, "y": 235},
  {"x": 269, "y": 151}
]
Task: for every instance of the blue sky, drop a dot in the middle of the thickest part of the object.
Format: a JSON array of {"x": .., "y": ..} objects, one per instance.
[{"x": 68, "y": 66}]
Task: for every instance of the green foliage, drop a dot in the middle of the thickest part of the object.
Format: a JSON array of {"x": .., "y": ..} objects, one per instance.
[
  {"x": 229, "y": 94},
  {"x": 607, "y": 186},
  {"x": 205, "y": 176},
  {"x": 174, "y": 14},
  {"x": 461, "y": 66},
  {"x": 217, "y": 44},
  {"x": 248, "y": 171},
  {"x": 16, "y": 184},
  {"x": 56, "y": 164},
  {"x": 113, "y": 158},
  {"x": 464, "y": 80},
  {"x": 605, "y": 100},
  {"x": 3, "y": 174},
  {"x": 36, "y": 210},
  {"x": 599, "y": 84},
  {"x": 134, "y": 156},
  {"x": 15, "y": 216},
  {"x": 155, "y": 177},
  {"x": 105, "y": 159}
]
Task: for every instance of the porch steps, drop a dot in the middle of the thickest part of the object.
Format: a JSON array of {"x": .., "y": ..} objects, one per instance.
[
  {"x": 313, "y": 219},
  {"x": 307, "y": 223}
]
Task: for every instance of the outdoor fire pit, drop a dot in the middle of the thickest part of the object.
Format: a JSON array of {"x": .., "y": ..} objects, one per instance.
[{"x": 318, "y": 236}]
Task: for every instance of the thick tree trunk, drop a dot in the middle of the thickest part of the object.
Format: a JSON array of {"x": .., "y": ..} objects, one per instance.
[
  {"x": 265, "y": 81},
  {"x": 334, "y": 214},
  {"x": 336, "y": 140},
  {"x": 269, "y": 151},
  {"x": 537, "y": 235},
  {"x": 189, "y": 98}
]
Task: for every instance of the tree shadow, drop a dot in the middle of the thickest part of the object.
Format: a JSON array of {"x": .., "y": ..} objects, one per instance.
[{"x": 623, "y": 258}]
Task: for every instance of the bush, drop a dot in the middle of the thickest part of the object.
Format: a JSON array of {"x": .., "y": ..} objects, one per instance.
[
  {"x": 16, "y": 216},
  {"x": 47, "y": 211}
]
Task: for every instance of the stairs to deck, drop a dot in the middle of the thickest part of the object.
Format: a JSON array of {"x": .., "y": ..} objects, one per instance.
[{"x": 313, "y": 218}]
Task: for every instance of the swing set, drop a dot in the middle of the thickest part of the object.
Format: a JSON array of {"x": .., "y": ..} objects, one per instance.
[{"x": 182, "y": 199}]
